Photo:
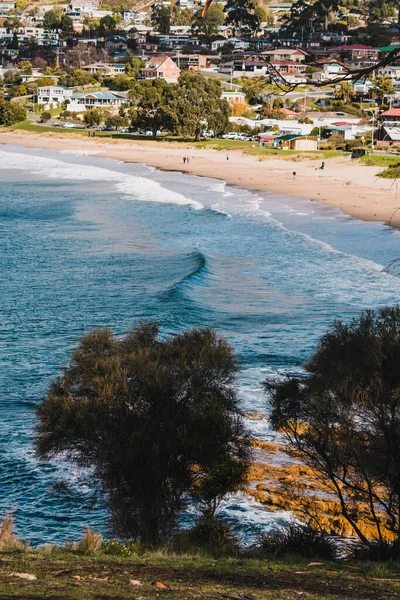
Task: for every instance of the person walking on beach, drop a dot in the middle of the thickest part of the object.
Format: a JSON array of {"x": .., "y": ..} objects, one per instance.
[
  {"x": 187, "y": 160},
  {"x": 322, "y": 167},
  {"x": 294, "y": 174},
  {"x": 184, "y": 160},
  {"x": 227, "y": 157}
]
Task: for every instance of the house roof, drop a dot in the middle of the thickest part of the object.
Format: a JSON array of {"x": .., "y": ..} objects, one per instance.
[
  {"x": 393, "y": 133},
  {"x": 289, "y": 136},
  {"x": 393, "y": 112},
  {"x": 288, "y": 112},
  {"x": 388, "y": 48},
  {"x": 357, "y": 47},
  {"x": 99, "y": 95}
]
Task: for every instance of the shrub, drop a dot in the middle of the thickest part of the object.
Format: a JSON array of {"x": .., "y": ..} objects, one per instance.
[
  {"x": 299, "y": 539},
  {"x": 212, "y": 535},
  {"x": 45, "y": 116},
  {"x": 377, "y": 550},
  {"x": 115, "y": 548},
  {"x": 11, "y": 112}
]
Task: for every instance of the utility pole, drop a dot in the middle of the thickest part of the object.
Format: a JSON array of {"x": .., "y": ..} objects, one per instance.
[{"x": 373, "y": 130}]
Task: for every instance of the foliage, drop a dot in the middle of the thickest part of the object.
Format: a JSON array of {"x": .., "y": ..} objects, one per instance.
[
  {"x": 208, "y": 26},
  {"x": 211, "y": 535},
  {"x": 25, "y": 66},
  {"x": 52, "y": 19},
  {"x": 241, "y": 14},
  {"x": 45, "y": 116},
  {"x": 198, "y": 105},
  {"x": 76, "y": 77},
  {"x": 11, "y": 112},
  {"x": 344, "y": 91},
  {"x": 156, "y": 420},
  {"x": 161, "y": 18},
  {"x": 116, "y": 121},
  {"x": 133, "y": 66},
  {"x": 383, "y": 86},
  {"x": 308, "y": 16},
  {"x": 108, "y": 25},
  {"x": 153, "y": 111},
  {"x": 120, "y": 82},
  {"x": 377, "y": 550},
  {"x": 115, "y": 548},
  {"x": 343, "y": 418},
  {"x": 92, "y": 117},
  {"x": 300, "y": 540}
]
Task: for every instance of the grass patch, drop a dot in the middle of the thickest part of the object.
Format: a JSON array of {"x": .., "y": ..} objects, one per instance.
[
  {"x": 380, "y": 160},
  {"x": 290, "y": 154},
  {"x": 69, "y": 576}
]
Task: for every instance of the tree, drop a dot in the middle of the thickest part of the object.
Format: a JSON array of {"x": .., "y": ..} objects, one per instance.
[
  {"x": 240, "y": 13},
  {"x": 12, "y": 24},
  {"x": 260, "y": 13},
  {"x": 25, "y": 66},
  {"x": 156, "y": 420},
  {"x": 343, "y": 418},
  {"x": 383, "y": 87},
  {"x": 208, "y": 25},
  {"x": 161, "y": 18},
  {"x": 345, "y": 92},
  {"x": 198, "y": 105},
  {"x": 153, "y": 108},
  {"x": 116, "y": 121},
  {"x": 133, "y": 66},
  {"x": 92, "y": 117},
  {"x": 76, "y": 77},
  {"x": 52, "y": 19},
  {"x": 45, "y": 116},
  {"x": 108, "y": 25},
  {"x": 11, "y": 112},
  {"x": 66, "y": 26}
]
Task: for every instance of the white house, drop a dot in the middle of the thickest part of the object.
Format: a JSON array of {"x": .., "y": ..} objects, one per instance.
[
  {"x": 85, "y": 100},
  {"x": 54, "y": 95},
  {"x": 108, "y": 68}
]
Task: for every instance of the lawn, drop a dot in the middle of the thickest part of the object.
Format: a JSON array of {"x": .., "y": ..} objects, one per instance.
[{"x": 65, "y": 576}]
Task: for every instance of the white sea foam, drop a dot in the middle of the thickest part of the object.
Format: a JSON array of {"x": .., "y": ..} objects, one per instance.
[{"x": 141, "y": 188}]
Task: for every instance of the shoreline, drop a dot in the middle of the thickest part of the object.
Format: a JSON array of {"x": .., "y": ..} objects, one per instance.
[{"x": 353, "y": 188}]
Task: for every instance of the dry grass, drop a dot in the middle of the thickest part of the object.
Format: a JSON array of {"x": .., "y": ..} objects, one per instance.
[
  {"x": 91, "y": 543},
  {"x": 8, "y": 540}
]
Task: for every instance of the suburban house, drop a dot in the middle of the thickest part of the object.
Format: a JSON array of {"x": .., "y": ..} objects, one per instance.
[
  {"x": 388, "y": 133},
  {"x": 85, "y": 100},
  {"x": 107, "y": 68},
  {"x": 163, "y": 67},
  {"x": 292, "y": 55},
  {"x": 233, "y": 97},
  {"x": 391, "y": 115},
  {"x": 194, "y": 62},
  {"x": 54, "y": 95},
  {"x": 359, "y": 51},
  {"x": 330, "y": 70}
]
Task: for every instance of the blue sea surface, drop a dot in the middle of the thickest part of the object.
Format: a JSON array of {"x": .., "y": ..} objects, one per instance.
[{"x": 89, "y": 242}]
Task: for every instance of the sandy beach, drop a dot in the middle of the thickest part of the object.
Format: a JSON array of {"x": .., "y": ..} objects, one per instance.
[{"x": 353, "y": 188}]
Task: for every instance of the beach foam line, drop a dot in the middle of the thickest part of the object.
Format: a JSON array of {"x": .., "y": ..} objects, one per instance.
[{"x": 141, "y": 188}]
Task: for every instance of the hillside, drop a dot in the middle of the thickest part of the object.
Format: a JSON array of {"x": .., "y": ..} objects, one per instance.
[{"x": 65, "y": 576}]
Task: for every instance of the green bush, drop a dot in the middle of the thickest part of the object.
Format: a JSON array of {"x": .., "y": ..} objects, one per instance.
[
  {"x": 11, "y": 112},
  {"x": 300, "y": 540},
  {"x": 211, "y": 535},
  {"x": 377, "y": 550},
  {"x": 45, "y": 116}
]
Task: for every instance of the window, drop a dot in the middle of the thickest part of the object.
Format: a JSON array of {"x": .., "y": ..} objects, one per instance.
[
  {"x": 173, "y": 74},
  {"x": 161, "y": 74}
]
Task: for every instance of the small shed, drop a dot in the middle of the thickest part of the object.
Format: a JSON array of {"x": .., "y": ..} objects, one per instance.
[{"x": 296, "y": 142}]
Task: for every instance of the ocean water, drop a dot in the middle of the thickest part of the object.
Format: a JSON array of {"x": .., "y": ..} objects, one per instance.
[{"x": 87, "y": 242}]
